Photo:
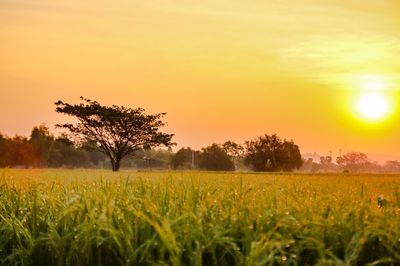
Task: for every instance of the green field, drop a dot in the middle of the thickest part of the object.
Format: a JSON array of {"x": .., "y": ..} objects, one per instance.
[{"x": 71, "y": 217}]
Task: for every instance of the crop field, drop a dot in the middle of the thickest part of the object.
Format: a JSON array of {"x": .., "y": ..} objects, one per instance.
[{"x": 71, "y": 217}]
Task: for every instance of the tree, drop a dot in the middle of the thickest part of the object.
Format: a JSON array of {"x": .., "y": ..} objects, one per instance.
[
  {"x": 216, "y": 159},
  {"x": 178, "y": 159},
  {"x": 289, "y": 156},
  {"x": 353, "y": 161},
  {"x": 235, "y": 151},
  {"x": 64, "y": 153},
  {"x": 117, "y": 130},
  {"x": 270, "y": 153},
  {"x": 22, "y": 152},
  {"x": 42, "y": 142},
  {"x": 392, "y": 166},
  {"x": 149, "y": 158},
  {"x": 96, "y": 157},
  {"x": 183, "y": 158},
  {"x": 325, "y": 160},
  {"x": 5, "y": 151}
]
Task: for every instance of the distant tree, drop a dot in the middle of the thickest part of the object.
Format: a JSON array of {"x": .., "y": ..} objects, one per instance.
[
  {"x": 117, "y": 130},
  {"x": 353, "y": 161},
  {"x": 289, "y": 157},
  {"x": 235, "y": 151},
  {"x": 327, "y": 165},
  {"x": 392, "y": 166},
  {"x": 42, "y": 142},
  {"x": 325, "y": 160},
  {"x": 270, "y": 153},
  {"x": 178, "y": 159},
  {"x": 93, "y": 150},
  {"x": 183, "y": 158},
  {"x": 65, "y": 154},
  {"x": 22, "y": 152},
  {"x": 216, "y": 159},
  {"x": 149, "y": 158},
  {"x": 5, "y": 151}
]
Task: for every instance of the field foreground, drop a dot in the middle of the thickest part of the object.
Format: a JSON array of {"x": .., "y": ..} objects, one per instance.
[{"x": 71, "y": 217}]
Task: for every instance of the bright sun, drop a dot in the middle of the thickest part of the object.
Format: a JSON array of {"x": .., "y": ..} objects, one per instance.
[{"x": 373, "y": 106}]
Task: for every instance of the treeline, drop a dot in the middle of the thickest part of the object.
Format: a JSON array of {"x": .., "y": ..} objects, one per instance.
[
  {"x": 266, "y": 153},
  {"x": 349, "y": 162},
  {"x": 43, "y": 150}
]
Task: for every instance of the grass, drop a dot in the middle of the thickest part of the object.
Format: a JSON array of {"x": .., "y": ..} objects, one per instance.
[{"x": 54, "y": 217}]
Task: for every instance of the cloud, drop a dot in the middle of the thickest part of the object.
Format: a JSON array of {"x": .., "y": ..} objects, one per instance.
[{"x": 333, "y": 58}]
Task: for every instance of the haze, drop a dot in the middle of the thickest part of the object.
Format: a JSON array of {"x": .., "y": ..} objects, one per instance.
[{"x": 220, "y": 69}]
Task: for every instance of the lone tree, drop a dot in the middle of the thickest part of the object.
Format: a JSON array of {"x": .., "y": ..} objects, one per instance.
[{"x": 117, "y": 130}]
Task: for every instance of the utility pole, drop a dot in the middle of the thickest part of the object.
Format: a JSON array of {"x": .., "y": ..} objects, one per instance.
[{"x": 192, "y": 159}]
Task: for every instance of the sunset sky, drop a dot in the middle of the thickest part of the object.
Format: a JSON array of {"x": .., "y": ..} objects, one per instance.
[{"x": 221, "y": 69}]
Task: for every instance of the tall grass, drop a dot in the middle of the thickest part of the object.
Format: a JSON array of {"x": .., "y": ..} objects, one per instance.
[{"x": 165, "y": 218}]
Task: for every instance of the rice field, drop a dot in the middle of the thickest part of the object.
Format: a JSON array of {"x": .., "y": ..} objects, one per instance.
[{"x": 71, "y": 217}]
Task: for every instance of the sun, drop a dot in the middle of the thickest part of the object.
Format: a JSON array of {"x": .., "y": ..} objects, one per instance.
[{"x": 373, "y": 106}]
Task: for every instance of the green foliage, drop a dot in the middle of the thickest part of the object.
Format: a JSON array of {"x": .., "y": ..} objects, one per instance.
[{"x": 99, "y": 218}]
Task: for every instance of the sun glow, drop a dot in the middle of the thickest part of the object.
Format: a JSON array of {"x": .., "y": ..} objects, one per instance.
[
  {"x": 374, "y": 82},
  {"x": 373, "y": 106}
]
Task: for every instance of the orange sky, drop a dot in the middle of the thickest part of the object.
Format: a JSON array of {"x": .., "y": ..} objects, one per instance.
[{"x": 221, "y": 69}]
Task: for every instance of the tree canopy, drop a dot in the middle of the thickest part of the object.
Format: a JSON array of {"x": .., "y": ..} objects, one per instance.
[
  {"x": 270, "y": 153},
  {"x": 117, "y": 130},
  {"x": 353, "y": 161},
  {"x": 215, "y": 158}
]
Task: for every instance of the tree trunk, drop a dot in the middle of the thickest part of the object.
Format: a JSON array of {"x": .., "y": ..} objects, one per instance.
[{"x": 115, "y": 164}]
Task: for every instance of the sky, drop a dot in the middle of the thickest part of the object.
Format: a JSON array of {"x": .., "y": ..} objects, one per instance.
[{"x": 220, "y": 69}]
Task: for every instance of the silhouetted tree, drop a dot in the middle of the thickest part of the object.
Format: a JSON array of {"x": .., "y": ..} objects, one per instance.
[
  {"x": 325, "y": 160},
  {"x": 270, "y": 153},
  {"x": 178, "y": 159},
  {"x": 183, "y": 158},
  {"x": 42, "y": 142},
  {"x": 65, "y": 154},
  {"x": 392, "y": 166},
  {"x": 353, "y": 161},
  {"x": 22, "y": 152},
  {"x": 216, "y": 159},
  {"x": 96, "y": 157},
  {"x": 289, "y": 157},
  {"x": 149, "y": 158},
  {"x": 235, "y": 151},
  {"x": 5, "y": 151},
  {"x": 118, "y": 130}
]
